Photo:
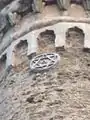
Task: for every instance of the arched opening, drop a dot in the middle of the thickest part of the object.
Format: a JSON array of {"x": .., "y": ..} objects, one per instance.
[
  {"x": 46, "y": 41},
  {"x": 75, "y": 37},
  {"x": 20, "y": 55}
]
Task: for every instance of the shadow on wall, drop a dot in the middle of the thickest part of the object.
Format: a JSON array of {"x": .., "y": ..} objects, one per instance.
[
  {"x": 75, "y": 37},
  {"x": 20, "y": 53},
  {"x": 45, "y": 40},
  {"x": 3, "y": 64}
]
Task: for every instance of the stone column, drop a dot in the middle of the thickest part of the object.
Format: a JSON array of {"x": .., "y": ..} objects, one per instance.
[
  {"x": 63, "y": 4},
  {"x": 37, "y": 5},
  {"x": 87, "y": 39},
  {"x": 32, "y": 45},
  {"x": 60, "y": 32},
  {"x": 10, "y": 56}
]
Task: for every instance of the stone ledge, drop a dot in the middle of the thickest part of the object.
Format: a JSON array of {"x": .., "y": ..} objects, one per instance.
[{"x": 40, "y": 24}]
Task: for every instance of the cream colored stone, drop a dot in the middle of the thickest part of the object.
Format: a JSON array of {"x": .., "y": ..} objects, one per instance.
[{"x": 59, "y": 29}]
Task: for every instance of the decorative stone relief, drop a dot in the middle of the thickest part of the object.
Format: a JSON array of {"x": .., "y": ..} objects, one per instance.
[{"x": 44, "y": 61}]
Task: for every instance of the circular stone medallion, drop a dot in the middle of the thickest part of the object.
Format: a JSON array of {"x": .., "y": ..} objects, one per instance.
[{"x": 44, "y": 61}]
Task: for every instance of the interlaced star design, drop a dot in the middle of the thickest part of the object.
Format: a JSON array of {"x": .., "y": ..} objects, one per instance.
[{"x": 44, "y": 61}]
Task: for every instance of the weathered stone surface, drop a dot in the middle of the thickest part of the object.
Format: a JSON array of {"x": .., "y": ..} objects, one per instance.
[
  {"x": 13, "y": 18},
  {"x": 10, "y": 56},
  {"x": 1, "y": 36},
  {"x": 21, "y": 7},
  {"x": 3, "y": 3},
  {"x": 25, "y": 7},
  {"x": 11, "y": 8},
  {"x": 63, "y": 4},
  {"x": 40, "y": 24},
  {"x": 87, "y": 39},
  {"x": 3, "y": 22},
  {"x": 74, "y": 9},
  {"x": 62, "y": 91},
  {"x": 60, "y": 41},
  {"x": 10, "y": 12},
  {"x": 59, "y": 29},
  {"x": 3, "y": 26},
  {"x": 37, "y": 5},
  {"x": 59, "y": 94},
  {"x": 32, "y": 43}
]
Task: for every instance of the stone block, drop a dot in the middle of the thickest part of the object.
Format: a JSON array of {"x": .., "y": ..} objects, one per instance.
[{"x": 60, "y": 42}]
